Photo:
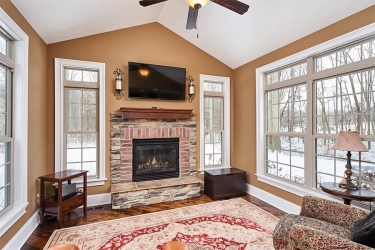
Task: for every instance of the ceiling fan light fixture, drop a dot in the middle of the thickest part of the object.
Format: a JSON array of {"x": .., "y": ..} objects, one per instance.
[{"x": 192, "y": 3}]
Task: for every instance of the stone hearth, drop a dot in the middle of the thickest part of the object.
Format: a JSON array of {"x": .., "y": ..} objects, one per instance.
[{"x": 126, "y": 193}]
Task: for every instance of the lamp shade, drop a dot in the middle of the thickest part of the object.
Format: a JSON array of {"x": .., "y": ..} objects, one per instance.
[
  {"x": 194, "y": 2},
  {"x": 349, "y": 141}
]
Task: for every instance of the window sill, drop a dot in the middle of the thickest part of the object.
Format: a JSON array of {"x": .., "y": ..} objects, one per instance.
[
  {"x": 298, "y": 190},
  {"x": 91, "y": 182},
  {"x": 11, "y": 217}
]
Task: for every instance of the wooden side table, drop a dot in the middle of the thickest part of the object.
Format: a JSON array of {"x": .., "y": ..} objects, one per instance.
[
  {"x": 60, "y": 207},
  {"x": 224, "y": 183},
  {"x": 348, "y": 195}
]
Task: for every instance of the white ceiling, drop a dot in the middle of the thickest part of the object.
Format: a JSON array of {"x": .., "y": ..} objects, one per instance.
[{"x": 231, "y": 38}]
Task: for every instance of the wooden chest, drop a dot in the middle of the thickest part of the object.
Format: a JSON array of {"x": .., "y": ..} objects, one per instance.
[{"x": 224, "y": 183}]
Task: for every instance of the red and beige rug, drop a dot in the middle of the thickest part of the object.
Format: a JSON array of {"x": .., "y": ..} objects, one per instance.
[{"x": 229, "y": 224}]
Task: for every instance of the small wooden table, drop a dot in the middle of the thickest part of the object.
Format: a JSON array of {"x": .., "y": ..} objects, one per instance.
[
  {"x": 61, "y": 207},
  {"x": 348, "y": 195}
]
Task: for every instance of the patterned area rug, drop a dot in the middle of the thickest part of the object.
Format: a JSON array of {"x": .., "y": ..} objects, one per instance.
[{"x": 229, "y": 224}]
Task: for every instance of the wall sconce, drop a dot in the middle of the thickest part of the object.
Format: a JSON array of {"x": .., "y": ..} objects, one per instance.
[
  {"x": 118, "y": 94},
  {"x": 191, "y": 93}
]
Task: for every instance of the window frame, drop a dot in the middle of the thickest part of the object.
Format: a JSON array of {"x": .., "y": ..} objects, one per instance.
[
  {"x": 225, "y": 119},
  {"x": 261, "y": 87},
  {"x": 60, "y": 65},
  {"x": 19, "y": 51}
]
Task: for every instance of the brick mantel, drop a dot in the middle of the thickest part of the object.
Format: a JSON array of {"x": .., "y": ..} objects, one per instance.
[{"x": 123, "y": 131}]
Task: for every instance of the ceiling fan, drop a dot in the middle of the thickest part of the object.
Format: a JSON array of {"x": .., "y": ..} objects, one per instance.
[{"x": 195, "y": 5}]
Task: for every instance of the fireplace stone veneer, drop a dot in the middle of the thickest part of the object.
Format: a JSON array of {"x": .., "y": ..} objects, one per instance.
[
  {"x": 126, "y": 193},
  {"x": 123, "y": 131}
]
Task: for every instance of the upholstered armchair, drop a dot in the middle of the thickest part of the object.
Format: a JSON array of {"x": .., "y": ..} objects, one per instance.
[{"x": 321, "y": 224}]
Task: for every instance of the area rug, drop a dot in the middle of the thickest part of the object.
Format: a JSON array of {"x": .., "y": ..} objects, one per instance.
[{"x": 228, "y": 224}]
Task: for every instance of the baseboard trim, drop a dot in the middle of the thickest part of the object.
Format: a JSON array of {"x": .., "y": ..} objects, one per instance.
[
  {"x": 98, "y": 199},
  {"x": 273, "y": 200},
  {"x": 24, "y": 233}
]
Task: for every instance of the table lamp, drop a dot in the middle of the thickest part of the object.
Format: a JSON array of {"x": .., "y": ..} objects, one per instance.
[{"x": 349, "y": 141}]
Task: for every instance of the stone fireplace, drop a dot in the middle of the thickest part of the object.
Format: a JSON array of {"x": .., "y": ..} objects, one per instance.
[{"x": 153, "y": 157}]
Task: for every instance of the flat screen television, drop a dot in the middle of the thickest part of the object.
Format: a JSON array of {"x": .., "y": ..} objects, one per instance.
[{"x": 156, "y": 81}]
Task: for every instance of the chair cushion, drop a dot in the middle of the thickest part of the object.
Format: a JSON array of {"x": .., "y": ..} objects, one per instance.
[
  {"x": 281, "y": 233},
  {"x": 363, "y": 231}
]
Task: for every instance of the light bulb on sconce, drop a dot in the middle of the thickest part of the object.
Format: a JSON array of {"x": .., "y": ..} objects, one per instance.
[
  {"x": 191, "y": 90},
  {"x": 118, "y": 94}
]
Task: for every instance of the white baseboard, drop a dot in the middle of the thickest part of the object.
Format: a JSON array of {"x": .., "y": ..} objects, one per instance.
[
  {"x": 273, "y": 200},
  {"x": 98, "y": 199},
  {"x": 24, "y": 233}
]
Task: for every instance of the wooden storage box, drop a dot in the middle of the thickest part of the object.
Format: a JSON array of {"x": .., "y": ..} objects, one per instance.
[{"x": 224, "y": 183}]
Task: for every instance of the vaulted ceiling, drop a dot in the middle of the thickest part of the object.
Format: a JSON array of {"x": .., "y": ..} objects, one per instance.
[{"x": 231, "y": 38}]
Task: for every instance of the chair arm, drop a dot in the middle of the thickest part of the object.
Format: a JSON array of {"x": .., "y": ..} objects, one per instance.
[
  {"x": 303, "y": 237},
  {"x": 331, "y": 211}
]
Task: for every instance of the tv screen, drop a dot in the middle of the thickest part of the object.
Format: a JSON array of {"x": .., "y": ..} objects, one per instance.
[{"x": 156, "y": 82}]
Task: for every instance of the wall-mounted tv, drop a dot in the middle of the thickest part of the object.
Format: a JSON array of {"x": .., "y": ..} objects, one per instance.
[{"x": 156, "y": 81}]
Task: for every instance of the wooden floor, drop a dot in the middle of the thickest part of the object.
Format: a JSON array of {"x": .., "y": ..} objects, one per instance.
[{"x": 41, "y": 234}]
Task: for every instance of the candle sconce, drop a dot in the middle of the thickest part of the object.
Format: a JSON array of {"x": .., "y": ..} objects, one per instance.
[
  {"x": 118, "y": 94},
  {"x": 190, "y": 81}
]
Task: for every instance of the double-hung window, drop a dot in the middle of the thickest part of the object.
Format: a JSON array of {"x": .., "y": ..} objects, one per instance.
[
  {"x": 14, "y": 44},
  {"x": 80, "y": 118},
  {"x": 6, "y": 138},
  {"x": 286, "y": 124},
  {"x": 304, "y": 101},
  {"x": 81, "y": 128},
  {"x": 215, "y": 125},
  {"x": 345, "y": 102}
]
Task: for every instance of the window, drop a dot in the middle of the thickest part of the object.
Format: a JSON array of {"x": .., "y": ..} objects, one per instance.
[
  {"x": 345, "y": 102},
  {"x": 215, "y": 125},
  {"x": 14, "y": 45},
  {"x": 6, "y": 140},
  {"x": 349, "y": 54},
  {"x": 303, "y": 101},
  {"x": 286, "y": 117},
  {"x": 80, "y": 111},
  {"x": 287, "y": 73}
]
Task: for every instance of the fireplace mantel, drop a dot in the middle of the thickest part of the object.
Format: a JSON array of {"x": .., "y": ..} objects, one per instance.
[{"x": 156, "y": 113}]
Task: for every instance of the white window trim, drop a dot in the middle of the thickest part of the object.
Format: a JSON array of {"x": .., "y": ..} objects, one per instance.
[
  {"x": 60, "y": 64},
  {"x": 226, "y": 123},
  {"x": 20, "y": 121},
  {"x": 260, "y": 101}
]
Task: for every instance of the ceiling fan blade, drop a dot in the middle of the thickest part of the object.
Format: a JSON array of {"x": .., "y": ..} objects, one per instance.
[
  {"x": 233, "y": 5},
  {"x": 192, "y": 18},
  {"x": 145, "y": 3}
]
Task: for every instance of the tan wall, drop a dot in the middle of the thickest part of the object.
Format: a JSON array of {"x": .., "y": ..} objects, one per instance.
[
  {"x": 37, "y": 116},
  {"x": 150, "y": 43},
  {"x": 244, "y": 155}
]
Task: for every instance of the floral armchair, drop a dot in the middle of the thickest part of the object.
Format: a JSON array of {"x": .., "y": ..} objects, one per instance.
[{"x": 321, "y": 224}]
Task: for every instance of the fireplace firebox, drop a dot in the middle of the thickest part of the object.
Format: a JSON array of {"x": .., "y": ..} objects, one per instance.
[{"x": 155, "y": 159}]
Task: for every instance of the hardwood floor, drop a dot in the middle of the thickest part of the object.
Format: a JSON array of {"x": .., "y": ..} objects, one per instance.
[{"x": 41, "y": 234}]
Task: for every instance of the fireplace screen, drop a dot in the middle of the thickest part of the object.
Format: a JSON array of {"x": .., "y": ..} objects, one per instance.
[{"x": 155, "y": 159}]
